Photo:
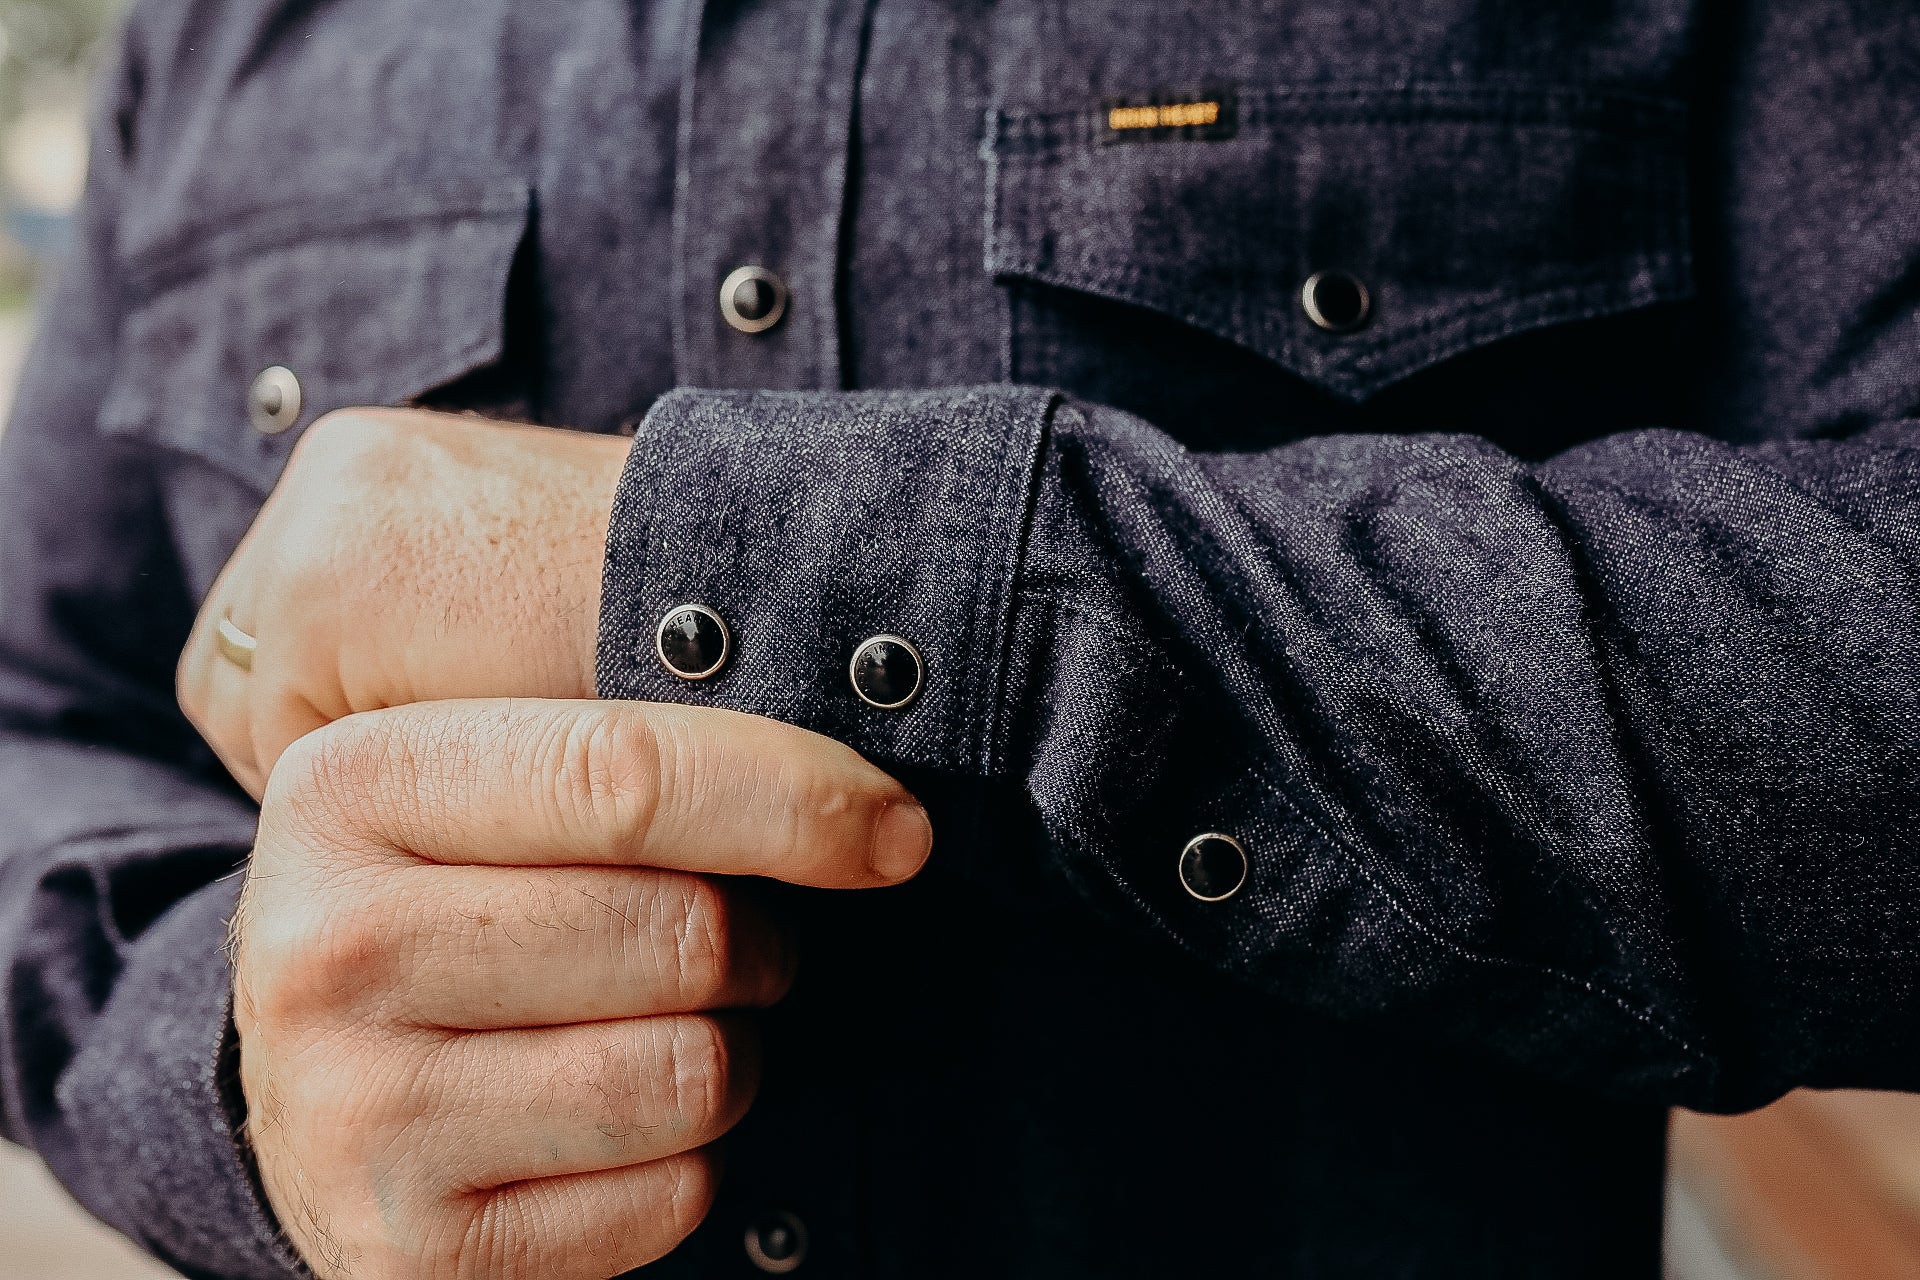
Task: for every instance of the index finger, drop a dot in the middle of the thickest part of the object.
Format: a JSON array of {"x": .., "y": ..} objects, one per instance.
[{"x": 523, "y": 782}]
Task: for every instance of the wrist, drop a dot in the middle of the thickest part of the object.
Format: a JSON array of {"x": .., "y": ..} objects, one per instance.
[
  {"x": 549, "y": 495},
  {"x": 605, "y": 460}
]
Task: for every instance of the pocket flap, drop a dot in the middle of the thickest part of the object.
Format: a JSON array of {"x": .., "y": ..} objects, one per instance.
[
  {"x": 1466, "y": 214},
  {"x": 368, "y": 300}
]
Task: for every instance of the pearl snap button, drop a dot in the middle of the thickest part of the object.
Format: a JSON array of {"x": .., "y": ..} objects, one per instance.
[
  {"x": 777, "y": 1243},
  {"x": 692, "y": 641},
  {"x": 273, "y": 401},
  {"x": 887, "y": 672},
  {"x": 1335, "y": 300},
  {"x": 1213, "y": 867},
  {"x": 752, "y": 299}
]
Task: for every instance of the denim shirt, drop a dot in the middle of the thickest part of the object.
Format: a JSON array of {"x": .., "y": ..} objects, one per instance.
[{"x": 1460, "y": 451}]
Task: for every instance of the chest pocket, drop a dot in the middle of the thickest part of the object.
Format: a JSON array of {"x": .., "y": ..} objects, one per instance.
[
  {"x": 371, "y": 299},
  {"x": 1436, "y": 220}
]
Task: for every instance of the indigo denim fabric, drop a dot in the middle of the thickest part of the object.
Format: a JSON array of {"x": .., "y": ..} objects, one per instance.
[{"x": 1548, "y": 640}]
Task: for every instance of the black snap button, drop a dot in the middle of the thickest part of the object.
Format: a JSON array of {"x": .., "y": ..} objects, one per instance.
[
  {"x": 692, "y": 641},
  {"x": 1335, "y": 300},
  {"x": 887, "y": 672},
  {"x": 752, "y": 299},
  {"x": 1213, "y": 867},
  {"x": 274, "y": 400},
  {"x": 777, "y": 1243}
]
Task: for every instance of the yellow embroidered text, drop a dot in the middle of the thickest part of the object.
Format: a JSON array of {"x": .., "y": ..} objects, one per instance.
[{"x": 1176, "y": 115}]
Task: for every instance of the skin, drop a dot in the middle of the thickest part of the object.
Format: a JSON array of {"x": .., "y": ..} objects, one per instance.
[
  {"x": 405, "y": 557},
  {"x": 493, "y": 956}
]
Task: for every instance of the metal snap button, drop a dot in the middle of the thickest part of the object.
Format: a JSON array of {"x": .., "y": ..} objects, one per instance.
[
  {"x": 273, "y": 401},
  {"x": 777, "y": 1243},
  {"x": 1335, "y": 300},
  {"x": 887, "y": 672},
  {"x": 753, "y": 299},
  {"x": 692, "y": 641},
  {"x": 1213, "y": 867}
]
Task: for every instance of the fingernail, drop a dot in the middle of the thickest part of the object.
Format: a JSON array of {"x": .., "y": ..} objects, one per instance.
[{"x": 902, "y": 839}]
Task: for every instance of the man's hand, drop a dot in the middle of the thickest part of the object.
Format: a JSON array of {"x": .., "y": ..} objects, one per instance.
[
  {"x": 478, "y": 973},
  {"x": 405, "y": 557}
]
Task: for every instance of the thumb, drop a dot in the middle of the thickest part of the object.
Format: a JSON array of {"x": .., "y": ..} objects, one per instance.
[{"x": 523, "y": 782}]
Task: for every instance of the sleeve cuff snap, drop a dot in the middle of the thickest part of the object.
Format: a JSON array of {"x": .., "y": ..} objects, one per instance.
[{"x": 840, "y": 561}]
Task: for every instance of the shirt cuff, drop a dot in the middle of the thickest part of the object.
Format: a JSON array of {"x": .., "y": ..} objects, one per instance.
[
  {"x": 157, "y": 1090},
  {"x": 812, "y": 521}
]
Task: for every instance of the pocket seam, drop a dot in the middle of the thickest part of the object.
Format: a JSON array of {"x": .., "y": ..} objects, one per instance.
[
  {"x": 1647, "y": 262},
  {"x": 166, "y": 387},
  {"x": 150, "y": 271}
]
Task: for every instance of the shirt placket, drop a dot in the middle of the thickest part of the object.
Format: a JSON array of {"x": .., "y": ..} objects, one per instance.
[
  {"x": 764, "y": 154},
  {"x": 768, "y": 98}
]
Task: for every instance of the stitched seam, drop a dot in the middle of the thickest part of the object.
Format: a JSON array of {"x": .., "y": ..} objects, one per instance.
[
  {"x": 264, "y": 1228},
  {"x": 1282, "y": 794},
  {"x": 1665, "y": 265},
  {"x": 680, "y": 306},
  {"x": 623, "y": 663},
  {"x": 1379, "y": 362},
  {"x": 843, "y": 180},
  {"x": 993, "y": 748},
  {"x": 987, "y": 588},
  {"x": 156, "y": 270},
  {"x": 202, "y": 439},
  {"x": 1607, "y": 993}
]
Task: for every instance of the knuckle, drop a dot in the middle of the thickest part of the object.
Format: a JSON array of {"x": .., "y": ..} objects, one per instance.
[
  {"x": 607, "y": 773},
  {"x": 342, "y": 449},
  {"x": 699, "y": 1064},
  {"x": 830, "y": 818},
  {"x": 308, "y": 965},
  {"x": 521, "y": 1230},
  {"x": 703, "y": 941},
  {"x": 228, "y": 729},
  {"x": 830, "y": 798},
  {"x": 340, "y": 434}
]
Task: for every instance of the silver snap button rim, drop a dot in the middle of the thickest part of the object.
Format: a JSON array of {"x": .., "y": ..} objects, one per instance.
[
  {"x": 283, "y": 380},
  {"x": 660, "y": 641},
  {"x": 731, "y": 310},
  {"x": 757, "y": 1253},
  {"x": 1310, "y": 301},
  {"x": 1245, "y": 865},
  {"x": 919, "y": 670}
]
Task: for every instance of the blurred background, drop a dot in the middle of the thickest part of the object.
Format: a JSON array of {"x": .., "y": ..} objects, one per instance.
[
  {"x": 47, "y": 52},
  {"x": 1816, "y": 1187}
]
